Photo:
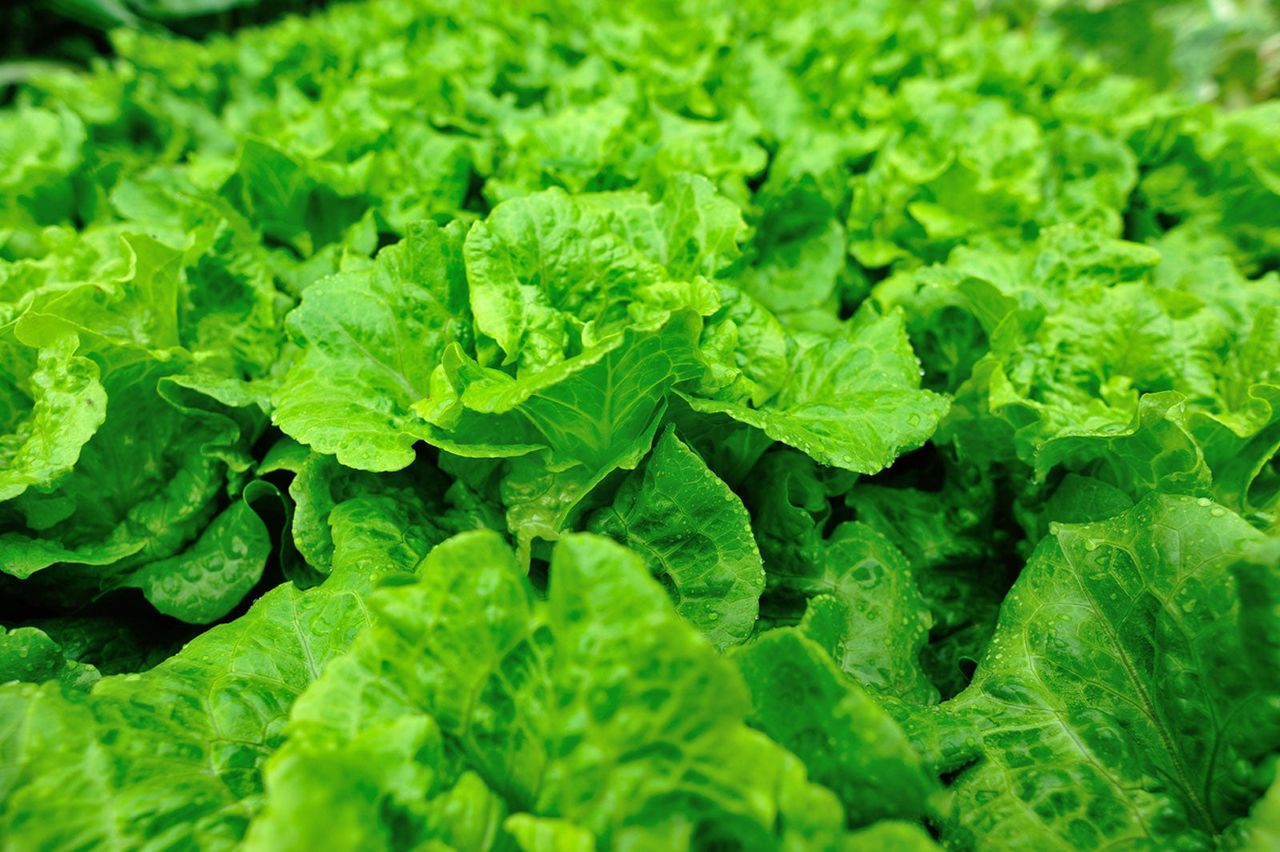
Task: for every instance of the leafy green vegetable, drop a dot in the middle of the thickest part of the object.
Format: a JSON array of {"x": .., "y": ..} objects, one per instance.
[
  {"x": 694, "y": 533},
  {"x": 599, "y": 708},
  {"x": 1114, "y": 704},
  {"x": 852, "y": 400},
  {"x": 174, "y": 753},
  {"x": 847, "y": 740},
  {"x": 372, "y": 339},
  {"x": 686, "y": 425}
]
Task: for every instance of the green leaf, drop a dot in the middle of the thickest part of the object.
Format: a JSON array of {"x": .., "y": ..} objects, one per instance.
[
  {"x": 114, "y": 642},
  {"x": 800, "y": 248},
  {"x": 542, "y": 501},
  {"x": 601, "y": 706},
  {"x": 879, "y": 621},
  {"x": 142, "y": 488},
  {"x": 371, "y": 341},
  {"x": 851, "y": 401},
  {"x": 848, "y": 742},
  {"x": 51, "y": 403},
  {"x": 747, "y": 349},
  {"x": 208, "y": 579},
  {"x": 594, "y": 413},
  {"x": 1115, "y": 703},
  {"x": 552, "y": 273},
  {"x": 287, "y": 201},
  {"x": 892, "y": 835},
  {"x": 541, "y": 834},
  {"x": 960, "y": 164},
  {"x": 1260, "y": 831},
  {"x": 29, "y": 655},
  {"x": 695, "y": 536},
  {"x": 173, "y": 756},
  {"x": 1259, "y": 582},
  {"x": 586, "y": 408},
  {"x": 41, "y": 149},
  {"x": 397, "y": 757},
  {"x": 1103, "y": 358}
]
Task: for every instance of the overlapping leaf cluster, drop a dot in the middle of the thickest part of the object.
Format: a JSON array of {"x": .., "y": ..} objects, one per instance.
[{"x": 573, "y": 425}]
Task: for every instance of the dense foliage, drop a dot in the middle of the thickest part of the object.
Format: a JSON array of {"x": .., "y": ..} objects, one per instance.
[
  {"x": 1228, "y": 50},
  {"x": 35, "y": 34},
  {"x": 568, "y": 425}
]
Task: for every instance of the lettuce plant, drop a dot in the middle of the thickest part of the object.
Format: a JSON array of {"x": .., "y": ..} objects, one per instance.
[{"x": 568, "y": 426}]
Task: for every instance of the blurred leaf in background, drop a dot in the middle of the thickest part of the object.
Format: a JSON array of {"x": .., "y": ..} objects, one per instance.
[
  {"x": 35, "y": 34},
  {"x": 1215, "y": 50}
]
